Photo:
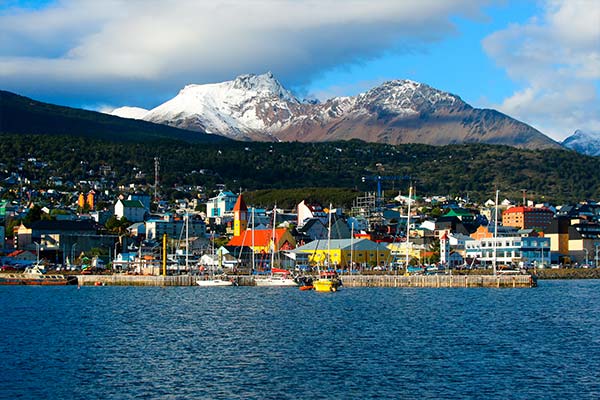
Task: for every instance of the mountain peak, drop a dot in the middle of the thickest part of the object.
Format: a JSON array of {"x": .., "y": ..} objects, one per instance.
[
  {"x": 264, "y": 84},
  {"x": 585, "y": 142}
]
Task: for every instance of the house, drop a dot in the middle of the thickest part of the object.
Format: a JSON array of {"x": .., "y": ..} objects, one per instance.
[
  {"x": 21, "y": 257},
  {"x": 221, "y": 205},
  {"x": 306, "y": 211},
  {"x": 261, "y": 241},
  {"x": 132, "y": 210}
]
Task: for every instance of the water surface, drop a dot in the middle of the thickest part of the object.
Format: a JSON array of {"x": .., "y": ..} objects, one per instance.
[{"x": 271, "y": 343}]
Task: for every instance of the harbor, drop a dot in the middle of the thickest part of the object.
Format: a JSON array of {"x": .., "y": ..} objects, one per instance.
[{"x": 349, "y": 281}]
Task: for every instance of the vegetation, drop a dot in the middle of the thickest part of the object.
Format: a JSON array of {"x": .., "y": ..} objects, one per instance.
[{"x": 335, "y": 171}]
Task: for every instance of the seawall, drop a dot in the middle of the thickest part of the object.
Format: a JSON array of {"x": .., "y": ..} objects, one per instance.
[{"x": 415, "y": 281}]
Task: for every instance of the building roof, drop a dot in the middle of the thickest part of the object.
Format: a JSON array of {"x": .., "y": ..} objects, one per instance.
[
  {"x": 262, "y": 237},
  {"x": 240, "y": 204},
  {"x": 521, "y": 209},
  {"x": 85, "y": 225},
  {"x": 132, "y": 203}
]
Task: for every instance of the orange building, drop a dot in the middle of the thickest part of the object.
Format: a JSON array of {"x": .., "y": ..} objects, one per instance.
[
  {"x": 527, "y": 217},
  {"x": 89, "y": 200}
]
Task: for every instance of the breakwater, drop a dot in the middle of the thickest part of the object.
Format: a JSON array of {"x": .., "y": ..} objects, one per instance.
[{"x": 415, "y": 281}]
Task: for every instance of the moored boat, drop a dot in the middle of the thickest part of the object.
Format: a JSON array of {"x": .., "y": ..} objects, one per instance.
[
  {"x": 327, "y": 282},
  {"x": 276, "y": 279},
  {"x": 35, "y": 275},
  {"x": 215, "y": 281}
]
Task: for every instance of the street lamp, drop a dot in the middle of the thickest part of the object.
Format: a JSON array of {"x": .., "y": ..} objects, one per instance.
[{"x": 586, "y": 256}]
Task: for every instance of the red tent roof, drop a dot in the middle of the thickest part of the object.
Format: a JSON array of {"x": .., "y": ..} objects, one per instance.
[{"x": 262, "y": 237}]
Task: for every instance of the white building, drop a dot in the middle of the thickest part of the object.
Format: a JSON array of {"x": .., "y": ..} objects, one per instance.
[
  {"x": 307, "y": 211},
  {"x": 174, "y": 228},
  {"x": 221, "y": 205},
  {"x": 133, "y": 210},
  {"x": 510, "y": 250}
]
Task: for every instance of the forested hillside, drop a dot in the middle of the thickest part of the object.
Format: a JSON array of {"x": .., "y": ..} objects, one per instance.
[{"x": 466, "y": 170}]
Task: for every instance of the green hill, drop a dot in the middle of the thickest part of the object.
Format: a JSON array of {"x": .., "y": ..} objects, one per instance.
[{"x": 21, "y": 115}]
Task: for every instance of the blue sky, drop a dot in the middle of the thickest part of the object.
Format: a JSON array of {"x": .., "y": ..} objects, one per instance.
[{"x": 537, "y": 61}]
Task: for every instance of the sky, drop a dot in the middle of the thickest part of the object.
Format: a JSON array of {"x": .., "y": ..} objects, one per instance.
[{"x": 535, "y": 60}]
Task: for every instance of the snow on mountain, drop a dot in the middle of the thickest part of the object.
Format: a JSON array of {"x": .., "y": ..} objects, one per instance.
[
  {"x": 258, "y": 107},
  {"x": 130, "y": 112},
  {"x": 249, "y": 103},
  {"x": 584, "y": 142}
]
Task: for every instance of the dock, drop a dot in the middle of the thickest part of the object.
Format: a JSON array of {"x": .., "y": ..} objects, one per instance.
[{"x": 349, "y": 281}]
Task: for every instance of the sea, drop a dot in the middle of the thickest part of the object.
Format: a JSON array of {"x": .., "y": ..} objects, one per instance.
[{"x": 283, "y": 343}]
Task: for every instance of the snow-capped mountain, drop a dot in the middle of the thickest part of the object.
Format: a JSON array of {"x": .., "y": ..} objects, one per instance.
[
  {"x": 249, "y": 107},
  {"x": 130, "y": 112},
  {"x": 258, "y": 107},
  {"x": 584, "y": 142}
]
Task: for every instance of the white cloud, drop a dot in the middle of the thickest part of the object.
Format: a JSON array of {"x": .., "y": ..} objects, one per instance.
[
  {"x": 557, "y": 58},
  {"x": 102, "y": 49}
]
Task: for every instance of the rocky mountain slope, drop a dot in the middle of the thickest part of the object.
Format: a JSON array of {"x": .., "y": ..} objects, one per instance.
[
  {"x": 584, "y": 142},
  {"x": 258, "y": 107}
]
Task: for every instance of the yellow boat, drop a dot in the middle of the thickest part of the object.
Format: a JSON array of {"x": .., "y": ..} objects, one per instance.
[{"x": 328, "y": 282}]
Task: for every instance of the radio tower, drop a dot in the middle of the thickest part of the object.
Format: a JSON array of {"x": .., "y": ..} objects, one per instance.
[{"x": 156, "y": 169}]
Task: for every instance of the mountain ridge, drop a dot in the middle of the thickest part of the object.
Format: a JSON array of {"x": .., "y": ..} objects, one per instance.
[{"x": 259, "y": 107}]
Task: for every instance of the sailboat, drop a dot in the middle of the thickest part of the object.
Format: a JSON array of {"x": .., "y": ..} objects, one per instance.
[
  {"x": 213, "y": 280},
  {"x": 328, "y": 281},
  {"x": 278, "y": 276}
]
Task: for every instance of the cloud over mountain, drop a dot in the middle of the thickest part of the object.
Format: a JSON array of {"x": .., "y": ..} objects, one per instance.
[
  {"x": 557, "y": 56},
  {"x": 151, "y": 47}
]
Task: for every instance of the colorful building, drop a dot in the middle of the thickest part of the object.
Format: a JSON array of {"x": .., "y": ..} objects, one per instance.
[
  {"x": 344, "y": 252},
  {"x": 527, "y": 217}
]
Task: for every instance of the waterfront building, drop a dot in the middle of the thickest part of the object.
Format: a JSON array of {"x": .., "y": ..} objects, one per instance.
[
  {"x": 240, "y": 216},
  {"x": 507, "y": 250},
  {"x": 343, "y": 252},
  {"x": 574, "y": 240}
]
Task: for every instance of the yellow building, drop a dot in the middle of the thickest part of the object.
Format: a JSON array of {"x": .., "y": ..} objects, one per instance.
[{"x": 344, "y": 252}]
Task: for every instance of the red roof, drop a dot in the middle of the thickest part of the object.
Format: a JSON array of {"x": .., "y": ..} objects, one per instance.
[
  {"x": 240, "y": 204},
  {"x": 521, "y": 209},
  {"x": 262, "y": 237}
]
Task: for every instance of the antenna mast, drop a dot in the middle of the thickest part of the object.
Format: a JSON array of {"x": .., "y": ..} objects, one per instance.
[{"x": 156, "y": 170}]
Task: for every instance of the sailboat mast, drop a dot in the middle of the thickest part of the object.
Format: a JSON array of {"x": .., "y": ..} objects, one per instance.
[
  {"x": 351, "y": 249},
  {"x": 408, "y": 226},
  {"x": 253, "y": 239},
  {"x": 273, "y": 237},
  {"x": 329, "y": 239},
  {"x": 187, "y": 241},
  {"x": 495, "y": 234}
]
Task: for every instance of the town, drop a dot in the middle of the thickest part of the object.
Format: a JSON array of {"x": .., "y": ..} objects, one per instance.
[{"x": 130, "y": 230}]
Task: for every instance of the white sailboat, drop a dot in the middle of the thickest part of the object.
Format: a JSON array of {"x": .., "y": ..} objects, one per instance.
[
  {"x": 211, "y": 279},
  {"x": 278, "y": 277}
]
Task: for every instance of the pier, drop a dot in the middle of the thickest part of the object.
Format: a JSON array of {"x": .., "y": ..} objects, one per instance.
[{"x": 349, "y": 281}]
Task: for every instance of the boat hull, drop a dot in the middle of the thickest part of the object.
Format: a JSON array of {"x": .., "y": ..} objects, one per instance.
[
  {"x": 326, "y": 285},
  {"x": 269, "y": 281},
  {"x": 214, "y": 283}
]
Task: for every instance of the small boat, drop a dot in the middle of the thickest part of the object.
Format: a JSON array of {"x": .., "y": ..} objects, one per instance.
[
  {"x": 276, "y": 278},
  {"x": 215, "y": 281},
  {"x": 305, "y": 282},
  {"x": 35, "y": 275},
  {"x": 327, "y": 282}
]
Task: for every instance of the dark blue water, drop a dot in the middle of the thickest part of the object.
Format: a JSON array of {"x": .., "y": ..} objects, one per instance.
[{"x": 262, "y": 343}]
